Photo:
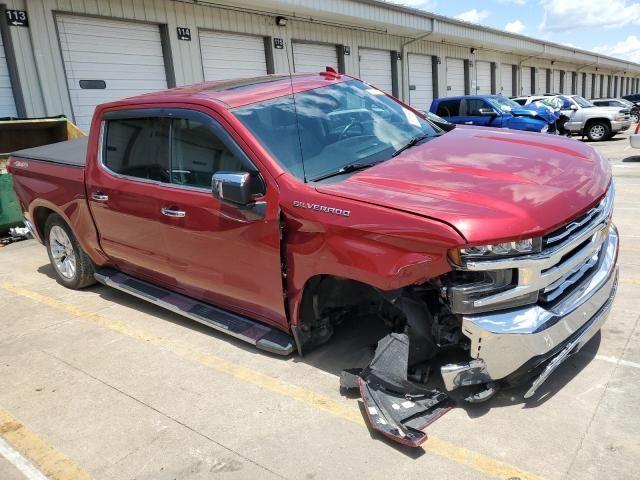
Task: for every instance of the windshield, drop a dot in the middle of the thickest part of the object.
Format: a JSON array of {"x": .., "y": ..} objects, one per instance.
[
  {"x": 343, "y": 124},
  {"x": 581, "y": 101},
  {"x": 505, "y": 104}
]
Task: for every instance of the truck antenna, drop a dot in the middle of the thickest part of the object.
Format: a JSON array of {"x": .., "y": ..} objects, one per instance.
[{"x": 295, "y": 111}]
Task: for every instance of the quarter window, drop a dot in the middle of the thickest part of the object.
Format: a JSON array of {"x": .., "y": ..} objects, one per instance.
[{"x": 138, "y": 147}]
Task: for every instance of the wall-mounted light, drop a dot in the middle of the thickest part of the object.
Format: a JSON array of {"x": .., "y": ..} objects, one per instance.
[
  {"x": 281, "y": 21},
  {"x": 473, "y": 50},
  {"x": 553, "y": 62}
]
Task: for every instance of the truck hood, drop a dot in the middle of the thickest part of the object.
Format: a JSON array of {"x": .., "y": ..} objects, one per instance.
[{"x": 488, "y": 184}]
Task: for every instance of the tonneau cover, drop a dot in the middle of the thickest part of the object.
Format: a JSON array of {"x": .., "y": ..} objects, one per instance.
[{"x": 70, "y": 152}]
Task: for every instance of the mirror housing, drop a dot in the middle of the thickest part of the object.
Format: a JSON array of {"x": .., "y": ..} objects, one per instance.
[
  {"x": 233, "y": 187},
  {"x": 573, "y": 107},
  {"x": 488, "y": 112}
]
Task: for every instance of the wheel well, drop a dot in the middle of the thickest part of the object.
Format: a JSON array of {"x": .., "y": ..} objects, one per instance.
[
  {"x": 40, "y": 218},
  {"x": 600, "y": 120}
]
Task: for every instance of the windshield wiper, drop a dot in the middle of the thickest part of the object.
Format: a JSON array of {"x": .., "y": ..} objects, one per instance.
[
  {"x": 411, "y": 143},
  {"x": 348, "y": 168}
]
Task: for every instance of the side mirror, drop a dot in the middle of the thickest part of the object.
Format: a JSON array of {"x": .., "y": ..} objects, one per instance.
[
  {"x": 573, "y": 107},
  {"x": 487, "y": 112},
  {"x": 232, "y": 187}
]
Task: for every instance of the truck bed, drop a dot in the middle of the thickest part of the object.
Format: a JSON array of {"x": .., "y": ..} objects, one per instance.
[{"x": 70, "y": 152}]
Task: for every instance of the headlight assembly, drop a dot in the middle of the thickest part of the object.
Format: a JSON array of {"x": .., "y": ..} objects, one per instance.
[{"x": 459, "y": 256}]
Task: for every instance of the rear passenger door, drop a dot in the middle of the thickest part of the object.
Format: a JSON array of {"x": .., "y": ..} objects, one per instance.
[
  {"x": 122, "y": 191},
  {"x": 449, "y": 110}
]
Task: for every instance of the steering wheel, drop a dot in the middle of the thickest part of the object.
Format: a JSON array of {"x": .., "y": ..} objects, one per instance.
[{"x": 352, "y": 124}]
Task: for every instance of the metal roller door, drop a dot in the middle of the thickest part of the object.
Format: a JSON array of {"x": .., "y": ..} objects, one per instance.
[
  {"x": 314, "y": 58},
  {"x": 506, "y": 79},
  {"x": 107, "y": 60},
  {"x": 375, "y": 68},
  {"x": 420, "y": 81},
  {"x": 525, "y": 81},
  {"x": 483, "y": 78},
  {"x": 7, "y": 102},
  {"x": 555, "y": 82},
  {"x": 596, "y": 93},
  {"x": 541, "y": 81},
  {"x": 455, "y": 77},
  {"x": 588, "y": 92},
  {"x": 231, "y": 55},
  {"x": 568, "y": 80}
]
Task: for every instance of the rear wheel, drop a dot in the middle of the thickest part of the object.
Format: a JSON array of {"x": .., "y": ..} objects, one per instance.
[
  {"x": 72, "y": 266},
  {"x": 598, "y": 131}
]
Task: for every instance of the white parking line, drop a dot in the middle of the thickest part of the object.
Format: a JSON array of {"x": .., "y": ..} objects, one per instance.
[
  {"x": 20, "y": 462},
  {"x": 618, "y": 361}
]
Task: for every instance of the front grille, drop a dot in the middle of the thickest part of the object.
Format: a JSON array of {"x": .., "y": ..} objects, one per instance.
[{"x": 569, "y": 255}]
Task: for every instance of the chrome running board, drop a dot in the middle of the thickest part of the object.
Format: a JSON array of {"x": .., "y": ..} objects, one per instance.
[{"x": 251, "y": 331}]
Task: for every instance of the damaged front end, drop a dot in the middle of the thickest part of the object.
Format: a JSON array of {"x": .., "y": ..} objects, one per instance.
[{"x": 495, "y": 320}]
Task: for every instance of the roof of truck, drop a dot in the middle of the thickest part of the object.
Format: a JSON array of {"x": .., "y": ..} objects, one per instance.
[{"x": 238, "y": 92}]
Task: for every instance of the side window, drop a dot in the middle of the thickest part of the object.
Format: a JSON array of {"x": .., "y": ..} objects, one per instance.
[
  {"x": 197, "y": 154},
  {"x": 138, "y": 147},
  {"x": 473, "y": 107},
  {"x": 448, "y": 108}
]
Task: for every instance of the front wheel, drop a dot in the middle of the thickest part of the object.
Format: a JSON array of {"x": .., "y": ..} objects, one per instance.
[
  {"x": 635, "y": 117},
  {"x": 72, "y": 266},
  {"x": 598, "y": 131}
]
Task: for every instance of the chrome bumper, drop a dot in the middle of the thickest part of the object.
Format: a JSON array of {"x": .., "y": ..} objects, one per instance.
[{"x": 502, "y": 342}]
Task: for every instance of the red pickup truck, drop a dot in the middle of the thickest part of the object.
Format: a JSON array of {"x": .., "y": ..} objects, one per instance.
[{"x": 274, "y": 208}]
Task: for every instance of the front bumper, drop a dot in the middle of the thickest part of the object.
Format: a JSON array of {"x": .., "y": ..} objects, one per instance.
[
  {"x": 517, "y": 341},
  {"x": 620, "y": 125}
]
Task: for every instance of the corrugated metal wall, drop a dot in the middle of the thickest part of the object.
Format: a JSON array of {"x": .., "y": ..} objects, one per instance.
[{"x": 41, "y": 70}]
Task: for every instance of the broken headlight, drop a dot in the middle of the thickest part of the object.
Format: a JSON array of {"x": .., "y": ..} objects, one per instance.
[{"x": 459, "y": 256}]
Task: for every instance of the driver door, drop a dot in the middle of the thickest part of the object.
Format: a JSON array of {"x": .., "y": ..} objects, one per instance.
[
  {"x": 223, "y": 254},
  {"x": 471, "y": 113}
]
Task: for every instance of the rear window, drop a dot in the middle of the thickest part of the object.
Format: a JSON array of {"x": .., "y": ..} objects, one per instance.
[{"x": 448, "y": 108}]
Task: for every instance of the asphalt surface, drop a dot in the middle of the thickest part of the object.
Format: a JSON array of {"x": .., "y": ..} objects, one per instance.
[{"x": 97, "y": 384}]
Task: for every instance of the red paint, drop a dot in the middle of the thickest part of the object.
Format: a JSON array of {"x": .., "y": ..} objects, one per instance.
[{"x": 469, "y": 185}]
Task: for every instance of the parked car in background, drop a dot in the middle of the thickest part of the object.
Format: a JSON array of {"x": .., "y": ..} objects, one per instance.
[
  {"x": 620, "y": 103},
  {"x": 488, "y": 111},
  {"x": 635, "y": 98},
  {"x": 586, "y": 119}
]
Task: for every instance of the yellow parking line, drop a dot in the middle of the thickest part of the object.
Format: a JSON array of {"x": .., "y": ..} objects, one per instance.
[
  {"x": 477, "y": 461},
  {"x": 54, "y": 464}
]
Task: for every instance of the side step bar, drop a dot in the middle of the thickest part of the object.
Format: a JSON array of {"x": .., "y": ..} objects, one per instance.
[{"x": 262, "y": 336}]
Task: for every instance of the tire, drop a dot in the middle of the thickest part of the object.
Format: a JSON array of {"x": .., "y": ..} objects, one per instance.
[
  {"x": 73, "y": 268},
  {"x": 635, "y": 117},
  {"x": 598, "y": 131}
]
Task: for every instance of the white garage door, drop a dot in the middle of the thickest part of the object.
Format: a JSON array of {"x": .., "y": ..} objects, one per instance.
[
  {"x": 483, "y": 78},
  {"x": 525, "y": 81},
  {"x": 596, "y": 92},
  {"x": 375, "y": 68},
  {"x": 568, "y": 81},
  {"x": 506, "y": 79},
  {"x": 455, "y": 77},
  {"x": 314, "y": 58},
  {"x": 420, "y": 81},
  {"x": 7, "y": 103},
  {"x": 588, "y": 92},
  {"x": 126, "y": 56},
  {"x": 541, "y": 81},
  {"x": 231, "y": 55},
  {"x": 555, "y": 82}
]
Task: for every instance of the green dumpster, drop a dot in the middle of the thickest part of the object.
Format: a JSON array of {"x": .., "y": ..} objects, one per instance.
[{"x": 19, "y": 134}]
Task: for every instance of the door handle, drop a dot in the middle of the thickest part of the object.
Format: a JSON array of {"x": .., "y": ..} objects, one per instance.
[
  {"x": 169, "y": 212},
  {"x": 99, "y": 197},
  {"x": 468, "y": 123}
]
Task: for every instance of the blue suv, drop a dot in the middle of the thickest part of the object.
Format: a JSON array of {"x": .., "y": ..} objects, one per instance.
[{"x": 489, "y": 111}]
